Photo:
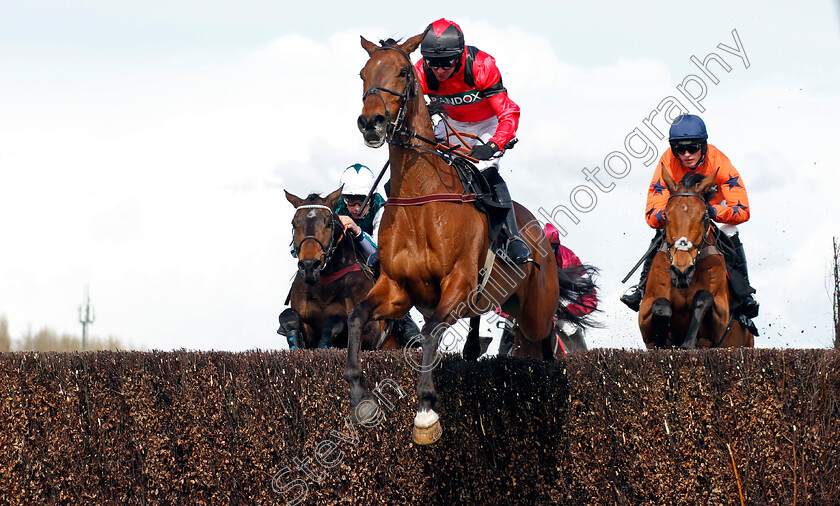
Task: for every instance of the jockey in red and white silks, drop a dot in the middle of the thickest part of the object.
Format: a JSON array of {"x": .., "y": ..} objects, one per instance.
[{"x": 465, "y": 83}]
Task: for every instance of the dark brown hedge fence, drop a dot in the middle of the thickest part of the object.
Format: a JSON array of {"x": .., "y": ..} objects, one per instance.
[{"x": 603, "y": 427}]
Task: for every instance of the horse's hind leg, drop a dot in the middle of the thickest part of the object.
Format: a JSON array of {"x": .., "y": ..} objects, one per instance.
[
  {"x": 291, "y": 327},
  {"x": 548, "y": 348},
  {"x": 333, "y": 327},
  {"x": 472, "y": 348},
  {"x": 700, "y": 305},
  {"x": 536, "y": 314}
]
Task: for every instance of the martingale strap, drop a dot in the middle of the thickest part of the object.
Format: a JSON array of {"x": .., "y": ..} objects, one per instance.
[
  {"x": 425, "y": 199},
  {"x": 339, "y": 274}
]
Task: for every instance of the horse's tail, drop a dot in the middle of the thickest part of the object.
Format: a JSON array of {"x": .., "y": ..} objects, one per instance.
[{"x": 578, "y": 295}]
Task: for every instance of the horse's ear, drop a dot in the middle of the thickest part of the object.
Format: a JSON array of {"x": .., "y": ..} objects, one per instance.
[
  {"x": 293, "y": 199},
  {"x": 411, "y": 44},
  {"x": 668, "y": 180},
  {"x": 707, "y": 182},
  {"x": 369, "y": 46},
  {"x": 332, "y": 198}
]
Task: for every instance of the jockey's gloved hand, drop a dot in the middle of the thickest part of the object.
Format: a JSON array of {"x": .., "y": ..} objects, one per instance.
[
  {"x": 711, "y": 210},
  {"x": 484, "y": 151},
  {"x": 436, "y": 108}
]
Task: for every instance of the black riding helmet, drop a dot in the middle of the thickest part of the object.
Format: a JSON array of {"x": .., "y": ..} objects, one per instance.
[{"x": 443, "y": 42}]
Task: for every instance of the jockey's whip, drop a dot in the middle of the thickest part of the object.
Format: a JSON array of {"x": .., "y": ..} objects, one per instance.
[
  {"x": 378, "y": 179},
  {"x": 652, "y": 247}
]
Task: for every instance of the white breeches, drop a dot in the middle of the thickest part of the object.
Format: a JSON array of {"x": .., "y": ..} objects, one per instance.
[{"x": 483, "y": 129}]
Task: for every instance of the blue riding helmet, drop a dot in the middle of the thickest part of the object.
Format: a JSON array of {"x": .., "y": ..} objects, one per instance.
[{"x": 687, "y": 126}]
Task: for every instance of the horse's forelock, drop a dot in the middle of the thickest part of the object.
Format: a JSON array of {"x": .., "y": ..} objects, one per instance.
[
  {"x": 313, "y": 198},
  {"x": 389, "y": 42},
  {"x": 691, "y": 179}
]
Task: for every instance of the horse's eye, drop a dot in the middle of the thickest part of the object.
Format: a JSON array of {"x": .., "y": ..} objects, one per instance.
[{"x": 404, "y": 72}]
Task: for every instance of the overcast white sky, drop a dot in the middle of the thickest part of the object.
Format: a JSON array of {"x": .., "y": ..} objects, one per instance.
[{"x": 145, "y": 146}]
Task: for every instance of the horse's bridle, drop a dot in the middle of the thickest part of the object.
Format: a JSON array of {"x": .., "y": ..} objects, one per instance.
[
  {"x": 397, "y": 124},
  {"x": 683, "y": 244},
  {"x": 326, "y": 251}
]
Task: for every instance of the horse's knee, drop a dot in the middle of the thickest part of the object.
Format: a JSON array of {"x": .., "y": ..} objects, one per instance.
[
  {"x": 703, "y": 300},
  {"x": 289, "y": 320},
  {"x": 291, "y": 327},
  {"x": 661, "y": 308}
]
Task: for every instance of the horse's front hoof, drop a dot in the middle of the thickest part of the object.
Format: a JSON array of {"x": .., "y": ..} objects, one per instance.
[
  {"x": 689, "y": 346},
  {"x": 427, "y": 428},
  {"x": 367, "y": 413}
]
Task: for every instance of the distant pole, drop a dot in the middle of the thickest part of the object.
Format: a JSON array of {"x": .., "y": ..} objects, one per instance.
[{"x": 86, "y": 315}]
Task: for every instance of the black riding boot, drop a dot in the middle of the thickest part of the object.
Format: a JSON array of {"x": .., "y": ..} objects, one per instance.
[
  {"x": 409, "y": 332},
  {"x": 633, "y": 297},
  {"x": 517, "y": 250},
  {"x": 736, "y": 266},
  {"x": 373, "y": 264}
]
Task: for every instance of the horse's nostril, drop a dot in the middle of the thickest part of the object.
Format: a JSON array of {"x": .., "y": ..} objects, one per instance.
[
  {"x": 308, "y": 265},
  {"x": 377, "y": 121},
  {"x": 361, "y": 122}
]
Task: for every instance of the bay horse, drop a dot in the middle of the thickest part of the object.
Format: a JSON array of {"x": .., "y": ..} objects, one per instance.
[
  {"x": 687, "y": 300},
  {"x": 569, "y": 328},
  {"x": 576, "y": 307},
  {"x": 330, "y": 280},
  {"x": 431, "y": 243}
]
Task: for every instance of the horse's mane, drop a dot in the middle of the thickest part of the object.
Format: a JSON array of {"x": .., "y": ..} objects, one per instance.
[{"x": 692, "y": 178}]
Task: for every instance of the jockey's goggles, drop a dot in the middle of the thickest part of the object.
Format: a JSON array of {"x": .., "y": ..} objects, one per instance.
[
  {"x": 682, "y": 147},
  {"x": 442, "y": 63},
  {"x": 353, "y": 200}
]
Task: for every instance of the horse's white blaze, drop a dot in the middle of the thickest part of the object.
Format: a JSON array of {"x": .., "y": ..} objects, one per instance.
[
  {"x": 311, "y": 214},
  {"x": 425, "y": 418}
]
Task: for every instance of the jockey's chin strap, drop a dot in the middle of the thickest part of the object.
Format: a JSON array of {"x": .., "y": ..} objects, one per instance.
[{"x": 326, "y": 251}]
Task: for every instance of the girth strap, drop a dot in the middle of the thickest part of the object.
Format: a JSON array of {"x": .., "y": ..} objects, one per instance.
[
  {"x": 329, "y": 278},
  {"x": 425, "y": 199}
]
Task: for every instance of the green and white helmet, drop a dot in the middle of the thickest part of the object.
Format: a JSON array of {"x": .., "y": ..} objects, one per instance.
[{"x": 357, "y": 180}]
